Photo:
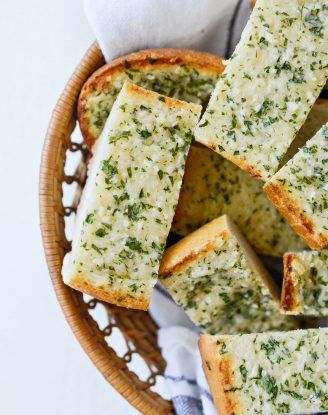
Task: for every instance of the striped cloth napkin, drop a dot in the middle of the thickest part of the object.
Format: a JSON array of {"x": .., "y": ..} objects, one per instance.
[
  {"x": 214, "y": 26},
  {"x": 178, "y": 338}
]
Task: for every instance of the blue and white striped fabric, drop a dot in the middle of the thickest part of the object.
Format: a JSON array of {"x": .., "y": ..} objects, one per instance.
[
  {"x": 211, "y": 25},
  {"x": 184, "y": 375}
]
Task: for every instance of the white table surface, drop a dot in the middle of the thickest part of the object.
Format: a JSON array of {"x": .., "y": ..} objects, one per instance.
[{"x": 43, "y": 369}]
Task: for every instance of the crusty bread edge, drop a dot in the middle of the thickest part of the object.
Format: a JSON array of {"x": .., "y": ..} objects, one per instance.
[
  {"x": 151, "y": 95},
  {"x": 288, "y": 207},
  {"x": 81, "y": 283},
  {"x": 192, "y": 246},
  {"x": 155, "y": 57},
  {"x": 211, "y": 144},
  {"x": 217, "y": 370},
  {"x": 202, "y": 240},
  {"x": 288, "y": 302}
]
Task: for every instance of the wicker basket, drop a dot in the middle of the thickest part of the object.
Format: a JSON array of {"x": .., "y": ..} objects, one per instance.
[{"x": 136, "y": 327}]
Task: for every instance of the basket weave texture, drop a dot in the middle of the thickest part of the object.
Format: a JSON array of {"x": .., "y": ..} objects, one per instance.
[{"x": 136, "y": 327}]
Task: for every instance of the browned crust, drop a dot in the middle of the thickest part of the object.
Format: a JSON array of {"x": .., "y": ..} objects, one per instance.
[
  {"x": 210, "y": 143},
  {"x": 243, "y": 165},
  {"x": 169, "y": 264},
  {"x": 80, "y": 283},
  {"x": 148, "y": 57},
  {"x": 151, "y": 95},
  {"x": 289, "y": 208},
  {"x": 288, "y": 294},
  {"x": 192, "y": 246},
  {"x": 202, "y": 240},
  {"x": 217, "y": 370}
]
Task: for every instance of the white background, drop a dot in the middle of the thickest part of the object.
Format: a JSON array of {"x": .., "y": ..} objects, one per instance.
[{"x": 43, "y": 369}]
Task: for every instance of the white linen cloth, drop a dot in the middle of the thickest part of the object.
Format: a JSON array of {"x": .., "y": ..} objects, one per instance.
[{"x": 124, "y": 26}]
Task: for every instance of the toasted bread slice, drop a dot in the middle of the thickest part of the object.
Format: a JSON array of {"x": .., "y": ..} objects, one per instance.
[
  {"x": 213, "y": 186},
  {"x": 129, "y": 199},
  {"x": 216, "y": 277},
  {"x": 305, "y": 284},
  {"x": 269, "y": 85},
  {"x": 299, "y": 190},
  {"x": 267, "y": 373},
  {"x": 178, "y": 73}
]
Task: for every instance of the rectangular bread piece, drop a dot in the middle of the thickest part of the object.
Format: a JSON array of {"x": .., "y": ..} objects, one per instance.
[
  {"x": 299, "y": 190},
  {"x": 269, "y": 85},
  {"x": 213, "y": 186},
  {"x": 268, "y": 373},
  {"x": 130, "y": 196},
  {"x": 305, "y": 284},
  {"x": 215, "y": 276}
]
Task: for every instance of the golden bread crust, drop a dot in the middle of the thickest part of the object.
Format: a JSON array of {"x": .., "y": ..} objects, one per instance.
[
  {"x": 218, "y": 374},
  {"x": 193, "y": 245},
  {"x": 151, "y": 95},
  {"x": 288, "y": 294},
  {"x": 117, "y": 297},
  {"x": 202, "y": 240},
  {"x": 288, "y": 207},
  {"x": 210, "y": 143}
]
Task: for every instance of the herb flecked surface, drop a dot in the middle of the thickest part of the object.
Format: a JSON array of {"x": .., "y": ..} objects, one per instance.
[
  {"x": 129, "y": 200},
  {"x": 270, "y": 84}
]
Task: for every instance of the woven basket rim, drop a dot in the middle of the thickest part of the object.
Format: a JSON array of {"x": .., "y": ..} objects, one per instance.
[{"x": 90, "y": 342}]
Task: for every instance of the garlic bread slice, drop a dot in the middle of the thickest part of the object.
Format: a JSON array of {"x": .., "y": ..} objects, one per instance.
[
  {"x": 215, "y": 276},
  {"x": 269, "y": 85},
  {"x": 129, "y": 199},
  {"x": 268, "y": 373}
]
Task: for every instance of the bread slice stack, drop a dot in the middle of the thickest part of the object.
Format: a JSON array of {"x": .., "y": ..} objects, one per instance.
[
  {"x": 215, "y": 276},
  {"x": 129, "y": 199}
]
